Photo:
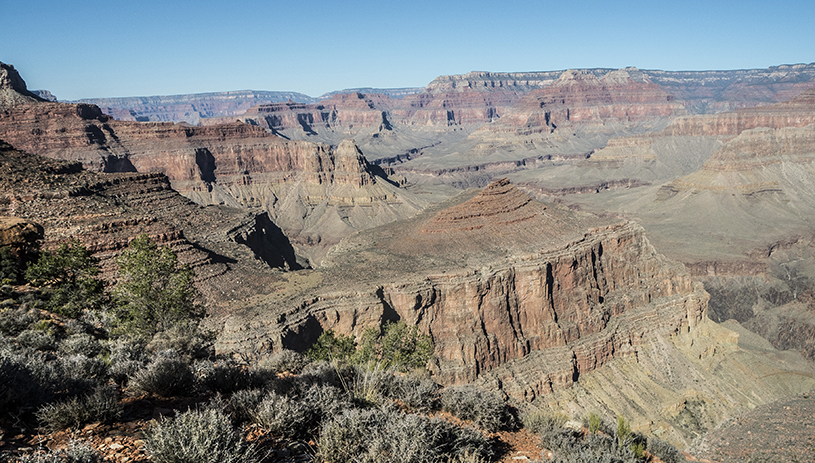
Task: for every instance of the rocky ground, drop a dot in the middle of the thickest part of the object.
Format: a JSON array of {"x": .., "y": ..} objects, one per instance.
[{"x": 782, "y": 431}]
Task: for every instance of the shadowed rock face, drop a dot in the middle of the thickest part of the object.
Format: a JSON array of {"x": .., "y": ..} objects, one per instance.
[{"x": 586, "y": 287}]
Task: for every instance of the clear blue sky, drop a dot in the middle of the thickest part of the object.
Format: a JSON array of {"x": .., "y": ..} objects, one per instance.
[{"x": 80, "y": 49}]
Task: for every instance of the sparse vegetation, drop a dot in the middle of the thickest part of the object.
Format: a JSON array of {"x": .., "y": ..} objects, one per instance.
[
  {"x": 198, "y": 436},
  {"x": 166, "y": 376},
  {"x": 385, "y": 435},
  {"x": 99, "y": 407},
  {"x": 484, "y": 408}
]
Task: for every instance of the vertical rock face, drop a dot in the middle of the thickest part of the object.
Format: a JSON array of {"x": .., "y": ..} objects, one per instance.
[{"x": 583, "y": 289}]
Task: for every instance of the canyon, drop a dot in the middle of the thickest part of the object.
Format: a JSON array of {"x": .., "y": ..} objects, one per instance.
[{"x": 342, "y": 214}]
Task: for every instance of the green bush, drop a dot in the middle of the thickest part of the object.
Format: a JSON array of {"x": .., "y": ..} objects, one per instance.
[
  {"x": 67, "y": 276},
  {"x": 10, "y": 270},
  {"x": 99, "y": 407},
  {"x": 396, "y": 345},
  {"x": 331, "y": 346},
  {"x": 155, "y": 292},
  {"x": 384, "y": 436},
  {"x": 595, "y": 423},
  {"x": 484, "y": 408},
  {"x": 166, "y": 376},
  {"x": 198, "y": 436}
]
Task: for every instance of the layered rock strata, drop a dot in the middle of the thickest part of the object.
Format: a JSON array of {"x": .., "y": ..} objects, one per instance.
[
  {"x": 232, "y": 252},
  {"x": 582, "y": 98},
  {"x": 315, "y": 193},
  {"x": 491, "y": 277}
]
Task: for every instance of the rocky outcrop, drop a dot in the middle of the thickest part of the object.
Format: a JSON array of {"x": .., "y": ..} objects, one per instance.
[
  {"x": 492, "y": 278},
  {"x": 233, "y": 252},
  {"x": 19, "y": 236},
  {"x": 13, "y": 91}
]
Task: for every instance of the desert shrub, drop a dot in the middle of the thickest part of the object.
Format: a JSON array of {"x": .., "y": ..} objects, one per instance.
[
  {"x": 126, "y": 358},
  {"x": 331, "y": 346},
  {"x": 541, "y": 423},
  {"x": 285, "y": 361},
  {"x": 244, "y": 403},
  {"x": 155, "y": 292},
  {"x": 337, "y": 375},
  {"x": 38, "y": 339},
  {"x": 82, "y": 367},
  {"x": 198, "y": 436},
  {"x": 664, "y": 450},
  {"x": 301, "y": 415},
  {"x": 166, "y": 376},
  {"x": 384, "y": 436},
  {"x": 226, "y": 377},
  {"x": 186, "y": 338},
  {"x": 14, "y": 321},
  {"x": 20, "y": 386},
  {"x": 76, "y": 452},
  {"x": 325, "y": 401},
  {"x": 395, "y": 345},
  {"x": 418, "y": 394},
  {"x": 67, "y": 276},
  {"x": 568, "y": 446},
  {"x": 484, "y": 408},
  {"x": 373, "y": 383},
  {"x": 31, "y": 378},
  {"x": 100, "y": 406},
  {"x": 80, "y": 343},
  {"x": 283, "y": 416}
]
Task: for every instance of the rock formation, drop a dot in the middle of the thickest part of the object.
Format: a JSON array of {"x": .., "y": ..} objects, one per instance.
[
  {"x": 232, "y": 252},
  {"x": 13, "y": 90},
  {"x": 491, "y": 277},
  {"x": 342, "y": 110},
  {"x": 581, "y": 98},
  {"x": 316, "y": 194}
]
